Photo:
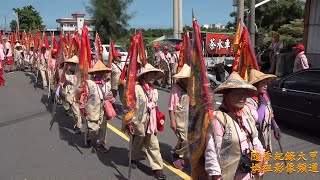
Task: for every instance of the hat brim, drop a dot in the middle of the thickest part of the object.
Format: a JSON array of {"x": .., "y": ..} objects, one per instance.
[
  {"x": 235, "y": 84},
  {"x": 180, "y": 77},
  {"x": 269, "y": 77},
  {"x": 100, "y": 70},
  {"x": 159, "y": 74}
]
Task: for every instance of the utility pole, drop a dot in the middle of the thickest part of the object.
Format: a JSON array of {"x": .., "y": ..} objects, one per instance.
[
  {"x": 5, "y": 24},
  {"x": 240, "y": 10},
  {"x": 175, "y": 18},
  {"x": 252, "y": 29},
  {"x": 180, "y": 18}
]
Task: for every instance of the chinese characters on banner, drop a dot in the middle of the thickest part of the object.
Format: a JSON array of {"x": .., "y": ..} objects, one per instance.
[
  {"x": 296, "y": 163},
  {"x": 219, "y": 43}
]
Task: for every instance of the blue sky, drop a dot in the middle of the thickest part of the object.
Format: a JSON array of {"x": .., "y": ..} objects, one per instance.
[{"x": 148, "y": 13}]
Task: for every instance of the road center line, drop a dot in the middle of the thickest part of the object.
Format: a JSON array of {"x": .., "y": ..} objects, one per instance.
[{"x": 165, "y": 163}]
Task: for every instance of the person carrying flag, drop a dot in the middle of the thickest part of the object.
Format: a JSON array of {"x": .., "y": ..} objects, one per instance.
[
  {"x": 52, "y": 69},
  {"x": 143, "y": 126},
  {"x": 8, "y": 54},
  {"x": 165, "y": 59},
  {"x": 43, "y": 65},
  {"x": 117, "y": 85},
  {"x": 232, "y": 136},
  {"x": 178, "y": 112},
  {"x": 96, "y": 91},
  {"x": 156, "y": 55},
  {"x": 69, "y": 93},
  {"x": 2, "y": 57},
  {"x": 174, "y": 61},
  {"x": 18, "y": 56}
]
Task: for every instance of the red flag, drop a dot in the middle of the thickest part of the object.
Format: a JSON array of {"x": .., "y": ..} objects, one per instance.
[
  {"x": 200, "y": 107},
  {"x": 29, "y": 41},
  {"x": 97, "y": 48},
  {"x": 245, "y": 58},
  {"x": 185, "y": 52},
  {"x": 111, "y": 54},
  {"x": 63, "y": 45},
  {"x": 13, "y": 40},
  {"x": 124, "y": 71},
  {"x": 74, "y": 44},
  {"x": 129, "y": 109},
  {"x": 17, "y": 36},
  {"x": 142, "y": 51},
  {"x": 36, "y": 40},
  {"x": 85, "y": 53},
  {"x": 45, "y": 40},
  {"x": 23, "y": 38}
]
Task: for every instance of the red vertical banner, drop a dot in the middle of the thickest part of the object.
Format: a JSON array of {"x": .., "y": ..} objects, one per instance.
[
  {"x": 23, "y": 38},
  {"x": 129, "y": 108},
  {"x": 200, "y": 107},
  {"x": 111, "y": 54},
  {"x": 185, "y": 52},
  {"x": 97, "y": 48},
  {"x": 245, "y": 58},
  {"x": 85, "y": 54},
  {"x": 142, "y": 51}
]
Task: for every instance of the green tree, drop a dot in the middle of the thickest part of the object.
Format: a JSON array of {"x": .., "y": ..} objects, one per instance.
[
  {"x": 29, "y": 19},
  {"x": 276, "y": 13},
  {"x": 13, "y": 25},
  {"x": 110, "y": 17}
]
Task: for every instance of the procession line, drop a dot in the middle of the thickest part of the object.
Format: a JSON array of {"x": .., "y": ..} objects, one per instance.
[{"x": 165, "y": 163}]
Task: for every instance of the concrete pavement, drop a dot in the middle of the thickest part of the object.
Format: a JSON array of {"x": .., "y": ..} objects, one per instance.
[{"x": 30, "y": 151}]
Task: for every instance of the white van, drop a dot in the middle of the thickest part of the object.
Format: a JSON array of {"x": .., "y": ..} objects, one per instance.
[{"x": 105, "y": 53}]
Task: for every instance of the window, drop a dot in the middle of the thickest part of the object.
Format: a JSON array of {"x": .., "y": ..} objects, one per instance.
[
  {"x": 120, "y": 49},
  {"x": 307, "y": 81}
]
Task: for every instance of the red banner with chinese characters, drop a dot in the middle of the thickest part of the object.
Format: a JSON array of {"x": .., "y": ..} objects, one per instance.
[{"x": 219, "y": 43}]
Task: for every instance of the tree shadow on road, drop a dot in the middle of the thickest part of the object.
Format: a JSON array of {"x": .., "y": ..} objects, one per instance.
[
  {"x": 66, "y": 133},
  {"x": 47, "y": 102},
  {"x": 119, "y": 157},
  {"x": 33, "y": 80}
]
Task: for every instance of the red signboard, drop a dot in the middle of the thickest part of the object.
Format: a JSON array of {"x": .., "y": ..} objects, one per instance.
[{"x": 219, "y": 43}]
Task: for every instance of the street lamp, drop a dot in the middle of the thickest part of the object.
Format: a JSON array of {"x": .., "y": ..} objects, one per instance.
[{"x": 17, "y": 19}]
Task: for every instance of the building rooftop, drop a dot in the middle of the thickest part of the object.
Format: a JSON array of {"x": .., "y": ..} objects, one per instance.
[{"x": 73, "y": 19}]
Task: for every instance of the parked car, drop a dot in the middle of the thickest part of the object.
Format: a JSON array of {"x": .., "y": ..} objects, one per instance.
[
  {"x": 105, "y": 53},
  {"x": 296, "y": 99}
]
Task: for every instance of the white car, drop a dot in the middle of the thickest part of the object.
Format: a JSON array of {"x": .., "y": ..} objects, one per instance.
[{"x": 105, "y": 53}]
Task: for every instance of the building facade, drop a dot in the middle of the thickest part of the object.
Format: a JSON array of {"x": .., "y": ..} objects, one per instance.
[{"x": 75, "y": 24}]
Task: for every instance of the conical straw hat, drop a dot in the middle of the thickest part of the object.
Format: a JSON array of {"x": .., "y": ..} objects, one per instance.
[
  {"x": 257, "y": 76},
  {"x": 74, "y": 59},
  {"x": 98, "y": 67},
  {"x": 184, "y": 72},
  {"x": 17, "y": 45},
  {"x": 149, "y": 68},
  {"x": 234, "y": 82}
]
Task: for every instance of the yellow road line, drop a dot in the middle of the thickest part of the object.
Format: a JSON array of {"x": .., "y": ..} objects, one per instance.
[{"x": 165, "y": 163}]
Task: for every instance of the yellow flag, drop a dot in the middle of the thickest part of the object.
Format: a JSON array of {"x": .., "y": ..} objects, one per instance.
[{"x": 238, "y": 35}]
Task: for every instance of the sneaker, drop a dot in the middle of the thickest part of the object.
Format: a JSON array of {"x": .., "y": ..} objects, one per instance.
[
  {"x": 134, "y": 164},
  {"x": 176, "y": 161},
  {"x": 159, "y": 174},
  {"x": 102, "y": 148},
  {"x": 183, "y": 163}
]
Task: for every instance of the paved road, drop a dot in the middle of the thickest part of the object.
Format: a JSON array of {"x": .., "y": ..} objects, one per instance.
[{"x": 30, "y": 151}]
